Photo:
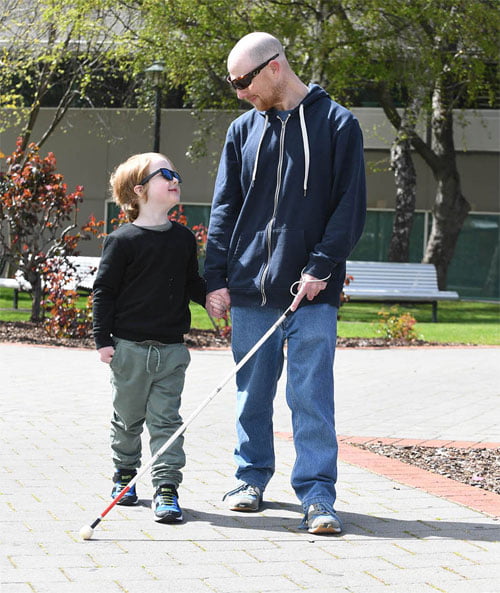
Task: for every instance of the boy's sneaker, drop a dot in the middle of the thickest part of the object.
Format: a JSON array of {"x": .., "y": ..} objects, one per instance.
[
  {"x": 165, "y": 504},
  {"x": 121, "y": 478},
  {"x": 321, "y": 518},
  {"x": 244, "y": 498}
]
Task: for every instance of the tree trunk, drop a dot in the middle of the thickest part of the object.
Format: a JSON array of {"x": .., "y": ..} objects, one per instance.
[
  {"x": 406, "y": 187},
  {"x": 450, "y": 207},
  {"x": 36, "y": 295},
  {"x": 448, "y": 215}
]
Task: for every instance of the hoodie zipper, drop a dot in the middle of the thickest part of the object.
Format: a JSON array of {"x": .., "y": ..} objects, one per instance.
[{"x": 270, "y": 224}]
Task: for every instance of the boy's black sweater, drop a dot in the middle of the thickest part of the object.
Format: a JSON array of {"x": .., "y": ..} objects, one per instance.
[{"x": 145, "y": 281}]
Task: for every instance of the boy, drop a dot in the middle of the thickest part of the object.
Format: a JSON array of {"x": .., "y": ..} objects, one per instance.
[{"x": 147, "y": 276}]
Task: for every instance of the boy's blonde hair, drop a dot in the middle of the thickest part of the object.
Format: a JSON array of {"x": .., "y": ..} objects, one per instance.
[{"x": 126, "y": 176}]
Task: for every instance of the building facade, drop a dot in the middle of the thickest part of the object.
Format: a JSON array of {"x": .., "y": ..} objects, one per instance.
[{"x": 91, "y": 142}]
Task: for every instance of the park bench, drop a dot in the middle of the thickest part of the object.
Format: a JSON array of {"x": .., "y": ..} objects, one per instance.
[
  {"x": 394, "y": 282},
  {"x": 85, "y": 269}
]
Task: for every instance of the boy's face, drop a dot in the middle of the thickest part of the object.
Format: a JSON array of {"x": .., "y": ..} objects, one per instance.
[{"x": 162, "y": 192}]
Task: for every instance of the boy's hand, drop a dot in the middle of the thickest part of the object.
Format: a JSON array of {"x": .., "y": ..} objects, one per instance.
[
  {"x": 218, "y": 302},
  {"x": 106, "y": 353}
]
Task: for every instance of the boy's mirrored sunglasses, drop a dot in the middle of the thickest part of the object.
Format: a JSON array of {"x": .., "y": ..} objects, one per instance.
[
  {"x": 166, "y": 173},
  {"x": 242, "y": 82}
]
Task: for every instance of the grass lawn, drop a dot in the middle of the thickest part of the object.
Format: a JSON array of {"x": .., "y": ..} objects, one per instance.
[
  {"x": 462, "y": 322},
  {"x": 469, "y": 322}
]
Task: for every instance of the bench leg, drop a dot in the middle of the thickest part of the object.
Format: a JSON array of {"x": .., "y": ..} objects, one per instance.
[
  {"x": 434, "y": 311},
  {"x": 15, "y": 301}
]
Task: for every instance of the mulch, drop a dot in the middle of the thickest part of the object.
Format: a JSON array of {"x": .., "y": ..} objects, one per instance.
[
  {"x": 476, "y": 467},
  {"x": 28, "y": 332}
]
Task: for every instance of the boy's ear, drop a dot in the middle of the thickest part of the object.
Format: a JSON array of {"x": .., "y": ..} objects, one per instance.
[{"x": 139, "y": 190}]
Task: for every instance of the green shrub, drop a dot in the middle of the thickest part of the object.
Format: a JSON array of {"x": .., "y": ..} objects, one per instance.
[{"x": 393, "y": 325}]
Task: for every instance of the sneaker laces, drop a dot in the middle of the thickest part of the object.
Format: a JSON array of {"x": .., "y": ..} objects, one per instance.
[
  {"x": 123, "y": 480},
  {"x": 321, "y": 508},
  {"x": 247, "y": 488},
  {"x": 165, "y": 496}
]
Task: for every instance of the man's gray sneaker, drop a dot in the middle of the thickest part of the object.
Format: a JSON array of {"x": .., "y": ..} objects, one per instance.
[
  {"x": 321, "y": 518},
  {"x": 244, "y": 498}
]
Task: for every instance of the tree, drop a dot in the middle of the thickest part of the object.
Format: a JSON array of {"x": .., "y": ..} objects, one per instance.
[
  {"x": 37, "y": 217},
  {"x": 447, "y": 48},
  {"x": 405, "y": 177},
  {"x": 54, "y": 53},
  {"x": 423, "y": 59}
]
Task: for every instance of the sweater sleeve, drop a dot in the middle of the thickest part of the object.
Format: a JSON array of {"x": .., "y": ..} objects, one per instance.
[
  {"x": 345, "y": 225},
  {"x": 105, "y": 291}
]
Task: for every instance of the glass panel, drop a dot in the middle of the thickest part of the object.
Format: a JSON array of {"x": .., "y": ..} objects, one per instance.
[
  {"x": 196, "y": 214},
  {"x": 374, "y": 243},
  {"x": 475, "y": 268},
  {"x": 112, "y": 211}
]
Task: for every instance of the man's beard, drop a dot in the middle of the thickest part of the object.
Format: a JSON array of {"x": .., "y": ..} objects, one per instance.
[{"x": 272, "y": 99}]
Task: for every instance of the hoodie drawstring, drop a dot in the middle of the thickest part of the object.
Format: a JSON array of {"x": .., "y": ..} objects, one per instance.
[{"x": 305, "y": 141}]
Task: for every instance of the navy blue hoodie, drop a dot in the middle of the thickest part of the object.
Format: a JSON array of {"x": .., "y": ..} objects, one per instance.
[{"x": 290, "y": 197}]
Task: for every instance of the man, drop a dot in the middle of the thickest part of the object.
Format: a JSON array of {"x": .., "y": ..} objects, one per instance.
[{"x": 289, "y": 206}]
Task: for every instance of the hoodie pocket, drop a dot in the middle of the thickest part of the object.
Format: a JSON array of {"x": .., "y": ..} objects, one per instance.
[{"x": 247, "y": 261}]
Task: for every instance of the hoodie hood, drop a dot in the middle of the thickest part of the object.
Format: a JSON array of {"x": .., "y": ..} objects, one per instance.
[{"x": 315, "y": 93}]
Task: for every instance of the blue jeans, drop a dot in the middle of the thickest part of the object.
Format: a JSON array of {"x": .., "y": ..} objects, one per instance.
[{"x": 310, "y": 333}]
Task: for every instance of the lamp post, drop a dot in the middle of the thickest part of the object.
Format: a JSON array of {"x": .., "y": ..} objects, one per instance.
[{"x": 155, "y": 75}]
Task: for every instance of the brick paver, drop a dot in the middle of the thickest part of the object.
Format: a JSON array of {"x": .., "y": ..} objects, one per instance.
[{"x": 405, "y": 531}]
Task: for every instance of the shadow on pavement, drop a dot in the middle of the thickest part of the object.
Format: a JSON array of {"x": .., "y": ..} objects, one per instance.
[{"x": 355, "y": 524}]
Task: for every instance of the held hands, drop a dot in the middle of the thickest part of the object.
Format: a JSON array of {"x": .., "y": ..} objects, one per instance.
[
  {"x": 106, "y": 353},
  {"x": 308, "y": 286},
  {"x": 218, "y": 302}
]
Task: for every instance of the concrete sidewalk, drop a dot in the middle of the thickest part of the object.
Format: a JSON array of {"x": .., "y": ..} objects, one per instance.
[{"x": 55, "y": 470}]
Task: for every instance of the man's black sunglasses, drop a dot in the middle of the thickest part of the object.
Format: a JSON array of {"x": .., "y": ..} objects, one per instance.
[
  {"x": 242, "y": 82},
  {"x": 166, "y": 173}
]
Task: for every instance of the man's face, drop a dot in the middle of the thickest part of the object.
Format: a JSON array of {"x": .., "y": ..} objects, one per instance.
[{"x": 263, "y": 92}]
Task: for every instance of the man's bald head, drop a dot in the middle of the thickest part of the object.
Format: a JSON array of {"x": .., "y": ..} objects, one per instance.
[{"x": 255, "y": 48}]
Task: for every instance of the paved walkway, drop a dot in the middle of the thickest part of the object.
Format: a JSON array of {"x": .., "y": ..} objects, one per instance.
[{"x": 400, "y": 536}]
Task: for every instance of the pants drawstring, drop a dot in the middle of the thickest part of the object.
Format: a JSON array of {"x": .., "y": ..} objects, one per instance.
[{"x": 158, "y": 358}]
